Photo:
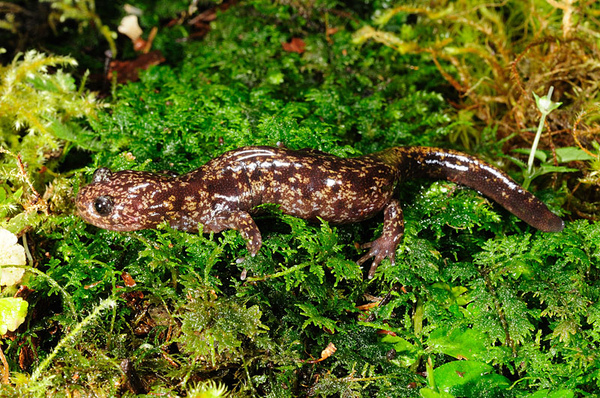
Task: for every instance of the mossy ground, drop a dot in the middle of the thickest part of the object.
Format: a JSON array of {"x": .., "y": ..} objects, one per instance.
[{"x": 478, "y": 304}]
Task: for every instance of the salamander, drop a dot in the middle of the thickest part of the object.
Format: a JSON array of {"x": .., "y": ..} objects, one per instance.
[{"x": 224, "y": 193}]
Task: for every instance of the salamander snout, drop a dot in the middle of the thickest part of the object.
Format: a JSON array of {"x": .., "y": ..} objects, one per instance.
[{"x": 122, "y": 201}]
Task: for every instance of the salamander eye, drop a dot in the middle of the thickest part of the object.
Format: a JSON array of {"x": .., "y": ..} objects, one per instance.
[{"x": 104, "y": 205}]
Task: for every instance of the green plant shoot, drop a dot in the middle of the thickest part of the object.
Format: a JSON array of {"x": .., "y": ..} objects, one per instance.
[{"x": 545, "y": 105}]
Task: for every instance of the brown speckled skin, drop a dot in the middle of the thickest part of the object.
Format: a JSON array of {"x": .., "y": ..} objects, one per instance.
[{"x": 307, "y": 184}]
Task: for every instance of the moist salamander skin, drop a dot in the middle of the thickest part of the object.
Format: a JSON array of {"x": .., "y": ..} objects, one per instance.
[{"x": 308, "y": 184}]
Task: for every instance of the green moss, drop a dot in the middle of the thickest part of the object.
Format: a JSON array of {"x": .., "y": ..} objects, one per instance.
[{"x": 470, "y": 281}]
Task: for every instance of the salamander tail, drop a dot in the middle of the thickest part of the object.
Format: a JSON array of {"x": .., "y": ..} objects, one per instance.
[{"x": 436, "y": 163}]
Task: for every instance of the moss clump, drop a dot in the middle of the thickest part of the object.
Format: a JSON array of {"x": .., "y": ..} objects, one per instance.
[{"x": 474, "y": 292}]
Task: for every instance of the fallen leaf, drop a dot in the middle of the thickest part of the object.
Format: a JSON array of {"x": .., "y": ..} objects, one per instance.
[
  {"x": 296, "y": 45},
  {"x": 127, "y": 71},
  {"x": 128, "y": 279}
]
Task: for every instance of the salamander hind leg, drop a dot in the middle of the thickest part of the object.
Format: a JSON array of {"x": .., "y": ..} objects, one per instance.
[
  {"x": 244, "y": 224},
  {"x": 386, "y": 244}
]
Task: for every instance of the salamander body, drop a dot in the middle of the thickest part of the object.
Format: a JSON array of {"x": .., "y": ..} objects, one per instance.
[{"x": 308, "y": 184}]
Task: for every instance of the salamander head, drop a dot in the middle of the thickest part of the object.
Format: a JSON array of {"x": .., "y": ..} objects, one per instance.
[{"x": 123, "y": 201}]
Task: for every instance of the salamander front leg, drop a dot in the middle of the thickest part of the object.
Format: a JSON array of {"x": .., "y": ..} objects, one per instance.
[
  {"x": 386, "y": 244},
  {"x": 242, "y": 222}
]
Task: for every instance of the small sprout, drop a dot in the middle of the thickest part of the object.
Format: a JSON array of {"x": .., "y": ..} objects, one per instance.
[{"x": 545, "y": 105}]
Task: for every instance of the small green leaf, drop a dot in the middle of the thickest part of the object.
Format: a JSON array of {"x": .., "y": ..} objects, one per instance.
[
  {"x": 462, "y": 343},
  {"x": 569, "y": 154},
  {"x": 429, "y": 393},
  {"x": 469, "y": 379},
  {"x": 552, "y": 394},
  {"x": 539, "y": 154},
  {"x": 12, "y": 313},
  {"x": 406, "y": 353},
  {"x": 548, "y": 168},
  {"x": 564, "y": 155}
]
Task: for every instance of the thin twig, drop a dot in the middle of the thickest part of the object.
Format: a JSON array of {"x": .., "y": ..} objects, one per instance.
[{"x": 5, "y": 370}]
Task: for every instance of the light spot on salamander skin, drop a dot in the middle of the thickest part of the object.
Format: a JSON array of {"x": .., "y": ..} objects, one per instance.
[{"x": 223, "y": 193}]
